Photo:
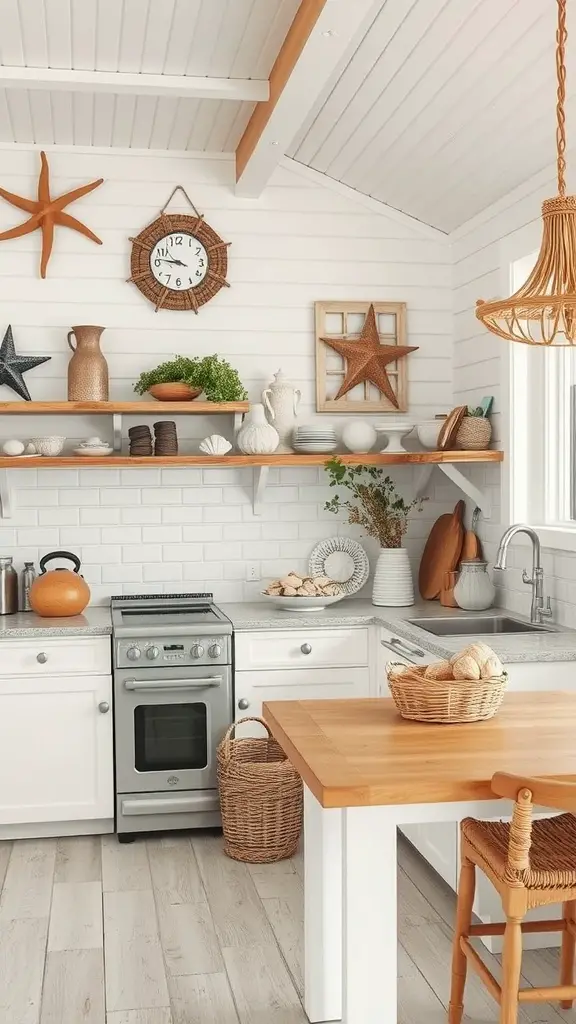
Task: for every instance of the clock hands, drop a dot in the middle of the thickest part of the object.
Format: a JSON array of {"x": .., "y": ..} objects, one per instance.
[{"x": 177, "y": 263}]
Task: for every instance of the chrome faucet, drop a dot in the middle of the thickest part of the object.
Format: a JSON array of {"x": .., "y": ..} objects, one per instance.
[{"x": 538, "y": 609}]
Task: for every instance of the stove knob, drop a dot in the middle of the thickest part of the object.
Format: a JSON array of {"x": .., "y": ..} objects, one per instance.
[
  {"x": 215, "y": 651},
  {"x": 152, "y": 653},
  {"x": 197, "y": 651},
  {"x": 133, "y": 653}
]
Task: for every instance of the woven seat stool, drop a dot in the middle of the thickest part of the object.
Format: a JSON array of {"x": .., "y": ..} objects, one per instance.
[{"x": 530, "y": 863}]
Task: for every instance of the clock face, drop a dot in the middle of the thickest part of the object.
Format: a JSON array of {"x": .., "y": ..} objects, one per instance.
[{"x": 179, "y": 261}]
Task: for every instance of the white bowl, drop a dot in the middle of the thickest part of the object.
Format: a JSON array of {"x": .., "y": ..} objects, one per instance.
[
  {"x": 92, "y": 450},
  {"x": 48, "y": 445},
  {"x": 303, "y": 604},
  {"x": 395, "y": 432},
  {"x": 428, "y": 433}
]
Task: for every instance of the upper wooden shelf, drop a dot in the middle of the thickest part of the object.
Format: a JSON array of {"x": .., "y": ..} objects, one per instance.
[
  {"x": 152, "y": 407},
  {"x": 373, "y": 459}
]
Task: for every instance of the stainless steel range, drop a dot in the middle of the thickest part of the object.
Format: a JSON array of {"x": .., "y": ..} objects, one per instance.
[{"x": 173, "y": 703}]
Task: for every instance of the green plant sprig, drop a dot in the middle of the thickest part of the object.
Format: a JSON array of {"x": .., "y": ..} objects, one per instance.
[
  {"x": 376, "y": 505},
  {"x": 218, "y": 380}
]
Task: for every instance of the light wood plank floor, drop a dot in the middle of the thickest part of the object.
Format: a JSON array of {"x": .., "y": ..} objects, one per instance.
[{"x": 169, "y": 931}]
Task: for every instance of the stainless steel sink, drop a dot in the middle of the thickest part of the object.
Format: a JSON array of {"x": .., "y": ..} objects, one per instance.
[{"x": 479, "y": 625}]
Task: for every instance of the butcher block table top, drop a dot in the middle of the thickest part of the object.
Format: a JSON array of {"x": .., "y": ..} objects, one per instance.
[{"x": 356, "y": 753}]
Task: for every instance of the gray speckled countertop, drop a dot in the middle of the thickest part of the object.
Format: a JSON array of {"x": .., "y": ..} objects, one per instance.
[
  {"x": 522, "y": 647},
  {"x": 93, "y": 622},
  {"x": 257, "y": 615}
]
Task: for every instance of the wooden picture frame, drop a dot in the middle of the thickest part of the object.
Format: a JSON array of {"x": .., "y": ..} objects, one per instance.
[{"x": 330, "y": 367}]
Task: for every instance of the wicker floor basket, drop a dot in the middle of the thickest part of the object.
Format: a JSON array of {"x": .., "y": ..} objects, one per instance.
[
  {"x": 260, "y": 797},
  {"x": 429, "y": 700}
]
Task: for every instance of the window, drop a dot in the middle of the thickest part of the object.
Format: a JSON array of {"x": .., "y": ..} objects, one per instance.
[{"x": 542, "y": 422}]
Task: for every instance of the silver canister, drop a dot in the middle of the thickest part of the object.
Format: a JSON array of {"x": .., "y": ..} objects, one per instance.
[
  {"x": 27, "y": 577},
  {"x": 8, "y": 587}
]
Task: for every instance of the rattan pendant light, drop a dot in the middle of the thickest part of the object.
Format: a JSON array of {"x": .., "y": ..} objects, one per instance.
[{"x": 543, "y": 310}]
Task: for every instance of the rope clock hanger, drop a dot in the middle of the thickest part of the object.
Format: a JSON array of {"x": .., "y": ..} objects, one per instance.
[
  {"x": 543, "y": 310},
  {"x": 178, "y": 261}
]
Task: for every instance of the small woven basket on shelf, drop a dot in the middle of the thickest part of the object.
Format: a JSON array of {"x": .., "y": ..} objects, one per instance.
[
  {"x": 260, "y": 798},
  {"x": 474, "y": 433},
  {"x": 450, "y": 702}
]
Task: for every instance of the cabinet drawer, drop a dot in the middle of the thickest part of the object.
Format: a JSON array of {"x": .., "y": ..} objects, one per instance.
[
  {"x": 253, "y": 688},
  {"x": 53, "y": 656},
  {"x": 301, "y": 648}
]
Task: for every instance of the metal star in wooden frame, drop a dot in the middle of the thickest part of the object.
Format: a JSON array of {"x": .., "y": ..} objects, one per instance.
[
  {"x": 367, "y": 358},
  {"x": 46, "y": 212}
]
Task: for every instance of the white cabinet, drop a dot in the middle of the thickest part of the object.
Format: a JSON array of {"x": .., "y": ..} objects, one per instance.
[
  {"x": 301, "y": 664},
  {"x": 56, "y": 746}
]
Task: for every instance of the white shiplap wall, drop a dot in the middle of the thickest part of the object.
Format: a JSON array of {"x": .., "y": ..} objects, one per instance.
[
  {"x": 482, "y": 251},
  {"x": 178, "y": 528}
]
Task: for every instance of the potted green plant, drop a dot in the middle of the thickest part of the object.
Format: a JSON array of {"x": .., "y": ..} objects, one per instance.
[
  {"x": 182, "y": 379},
  {"x": 382, "y": 512}
]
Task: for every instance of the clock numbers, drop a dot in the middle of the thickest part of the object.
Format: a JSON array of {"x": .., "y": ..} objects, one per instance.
[{"x": 178, "y": 266}]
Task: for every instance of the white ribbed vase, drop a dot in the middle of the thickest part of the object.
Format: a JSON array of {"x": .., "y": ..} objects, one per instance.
[{"x": 393, "y": 586}]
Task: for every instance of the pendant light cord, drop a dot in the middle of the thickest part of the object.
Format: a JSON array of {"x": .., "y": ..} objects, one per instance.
[{"x": 561, "y": 37}]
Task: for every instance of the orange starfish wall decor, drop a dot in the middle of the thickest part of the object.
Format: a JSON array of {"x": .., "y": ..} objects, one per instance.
[{"x": 47, "y": 212}]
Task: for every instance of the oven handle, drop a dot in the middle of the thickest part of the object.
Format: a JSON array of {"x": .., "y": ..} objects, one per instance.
[{"x": 172, "y": 684}]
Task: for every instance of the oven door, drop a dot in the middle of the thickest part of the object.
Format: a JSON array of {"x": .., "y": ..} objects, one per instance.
[{"x": 168, "y": 724}]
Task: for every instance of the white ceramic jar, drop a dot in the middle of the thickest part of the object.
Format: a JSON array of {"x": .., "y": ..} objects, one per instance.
[
  {"x": 359, "y": 437},
  {"x": 281, "y": 399},
  {"x": 474, "y": 591},
  {"x": 393, "y": 585},
  {"x": 256, "y": 436}
]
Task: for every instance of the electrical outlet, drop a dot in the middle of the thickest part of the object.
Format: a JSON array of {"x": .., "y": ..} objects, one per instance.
[{"x": 252, "y": 572}]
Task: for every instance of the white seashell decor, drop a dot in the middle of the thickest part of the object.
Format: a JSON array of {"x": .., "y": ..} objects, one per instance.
[
  {"x": 215, "y": 445},
  {"x": 13, "y": 447}
]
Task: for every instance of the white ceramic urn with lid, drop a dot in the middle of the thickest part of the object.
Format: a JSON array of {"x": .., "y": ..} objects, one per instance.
[{"x": 281, "y": 400}]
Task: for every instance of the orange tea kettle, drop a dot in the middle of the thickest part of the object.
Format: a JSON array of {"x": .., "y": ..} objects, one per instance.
[{"x": 59, "y": 592}]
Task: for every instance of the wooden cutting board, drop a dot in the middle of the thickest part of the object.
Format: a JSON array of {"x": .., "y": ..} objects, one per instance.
[{"x": 442, "y": 552}]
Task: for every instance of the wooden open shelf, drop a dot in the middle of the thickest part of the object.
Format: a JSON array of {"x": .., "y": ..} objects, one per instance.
[
  {"x": 149, "y": 407},
  {"x": 375, "y": 459}
]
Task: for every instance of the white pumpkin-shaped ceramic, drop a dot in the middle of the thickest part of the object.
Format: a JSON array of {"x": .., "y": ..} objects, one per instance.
[{"x": 256, "y": 436}]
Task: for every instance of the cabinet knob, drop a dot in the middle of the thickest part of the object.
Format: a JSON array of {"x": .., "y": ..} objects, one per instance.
[
  {"x": 243, "y": 704},
  {"x": 103, "y": 707},
  {"x": 42, "y": 658},
  {"x": 306, "y": 649}
]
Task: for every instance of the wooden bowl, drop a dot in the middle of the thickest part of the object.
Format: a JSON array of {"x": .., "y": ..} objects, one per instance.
[{"x": 175, "y": 392}]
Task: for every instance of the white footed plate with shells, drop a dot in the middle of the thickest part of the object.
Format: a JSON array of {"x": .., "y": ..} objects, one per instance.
[{"x": 295, "y": 592}]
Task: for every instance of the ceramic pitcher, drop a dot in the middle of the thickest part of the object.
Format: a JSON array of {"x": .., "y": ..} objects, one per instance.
[
  {"x": 281, "y": 400},
  {"x": 87, "y": 369}
]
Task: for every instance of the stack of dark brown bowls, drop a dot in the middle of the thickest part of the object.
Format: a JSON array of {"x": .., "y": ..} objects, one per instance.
[
  {"x": 140, "y": 440},
  {"x": 165, "y": 438}
]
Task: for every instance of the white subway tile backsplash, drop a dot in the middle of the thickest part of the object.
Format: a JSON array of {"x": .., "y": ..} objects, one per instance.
[
  {"x": 58, "y": 478},
  {"x": 161, "y": 534},
  {"x": 222, "y": 514},
  {"x": 58, "y": 516},
  {"x": 41, "y": 536},
  {"x": 205, "y": 571},
  {"x": 122, "y": 534},
  {"x": 103, "y": 554},
  {"x": 222, "y": 552},
  {"x": 185, "y": 476},
  {"x": 161, "y": 496},
  {"x": 118, "y": 496},
  {"x": 137, "y": 553},
  {"x": 302, "y": 513},
  {"x": 278, "y": 531},
  {"x": 202, "y": 532},
  {"x": 182, "y": 514},
  {"x": 80, "y": 496},
  {"x": 181, "y": 552},
  {"x": 79, "y": 535},
  {"x": 28, "y": 498},
  {"x": 202, "y": 495},
  {"x": 144, "y": 514},
  {"x": 243, "y": 531},
  {"x": 237, "y": 495},
  {"x": 97, "y": 477},
  {"x": 261, "y": 549},
  {"x": 121, "y": 573},
  {"x": 99, "y": 516},
  {"x": 280, "y": 495},
  {"x": 8, "y": 536},
  {"x": 163, "y": 572},
  {"x": 140, "y": 477}
]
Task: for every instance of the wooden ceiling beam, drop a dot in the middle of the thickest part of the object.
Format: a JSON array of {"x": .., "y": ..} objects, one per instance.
[
  {"x": 137, "y": 84},
  {"x": 318, "y": 38}
]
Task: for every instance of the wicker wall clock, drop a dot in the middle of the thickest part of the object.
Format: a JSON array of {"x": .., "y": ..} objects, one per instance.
[{"x": 178, "y": 261}]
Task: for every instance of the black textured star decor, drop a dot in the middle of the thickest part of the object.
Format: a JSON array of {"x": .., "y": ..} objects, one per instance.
[{"x": 12, "y": 366}]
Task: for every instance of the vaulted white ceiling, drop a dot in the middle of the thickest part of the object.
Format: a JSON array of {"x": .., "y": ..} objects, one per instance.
[
  {"x": 444, "y": 106},
  {"x": 437, "y": 108},
  {"x": 216, "y": 38}
]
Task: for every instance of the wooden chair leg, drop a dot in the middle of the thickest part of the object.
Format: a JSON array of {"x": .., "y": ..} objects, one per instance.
[
  {"x": 567, "y": 955},
  {"x": 466, "y": 887},
  {"x": 511, "y": 965}
]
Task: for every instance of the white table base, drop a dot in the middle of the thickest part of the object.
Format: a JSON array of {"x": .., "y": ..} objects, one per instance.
[{"x": 350, "y": 911}]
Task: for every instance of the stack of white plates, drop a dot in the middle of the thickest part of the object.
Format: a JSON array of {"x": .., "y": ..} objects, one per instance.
[{"x": 314, "y": 438}]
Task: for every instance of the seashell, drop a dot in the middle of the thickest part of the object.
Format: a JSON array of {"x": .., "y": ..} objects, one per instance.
[
  {"x": 289, "y": 592},
  {"x": 13, "y": 447},
  {"x": 215, "y": 445},
  {"x": 30, "y": 449}
]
